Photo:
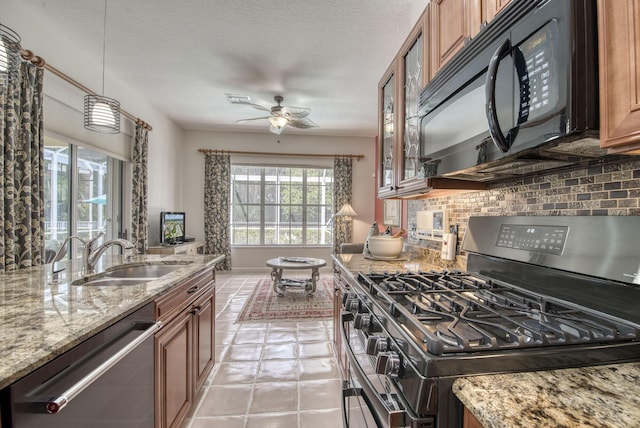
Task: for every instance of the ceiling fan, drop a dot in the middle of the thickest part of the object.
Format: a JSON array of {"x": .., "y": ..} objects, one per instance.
[{"x": 280, "y": 115}]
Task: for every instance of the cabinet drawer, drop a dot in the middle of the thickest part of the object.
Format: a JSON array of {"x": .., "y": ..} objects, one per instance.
[{"x": 170, "y": 304}]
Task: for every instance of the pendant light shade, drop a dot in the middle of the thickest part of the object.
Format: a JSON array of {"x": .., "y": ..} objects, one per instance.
[
  {"x": 101, "y": 114},
  {"x": 9, "y": 54}
]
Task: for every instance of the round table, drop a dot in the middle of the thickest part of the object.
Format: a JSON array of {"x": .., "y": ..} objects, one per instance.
[{"x": 280, "y": 284}]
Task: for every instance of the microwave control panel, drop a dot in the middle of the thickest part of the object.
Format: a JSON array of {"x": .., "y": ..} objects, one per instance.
[{"x": 538, "y": 85}]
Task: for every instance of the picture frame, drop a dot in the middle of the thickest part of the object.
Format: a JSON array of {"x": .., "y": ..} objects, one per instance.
[{"x": 392, "y": 215}]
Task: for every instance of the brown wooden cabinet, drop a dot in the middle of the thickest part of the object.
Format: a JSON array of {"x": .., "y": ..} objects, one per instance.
[
  {"x": 470, "y": 421},
  {"x": 619, "y": 54},
  {"x": 184, "y": 347},
  {"x": 398, "y": 121},
  {"x": 453, "y": 23},
  {"x": 204, "y": 337},
  {"x": 174, "y": 383},
  {"x": 490, "y": 8}
]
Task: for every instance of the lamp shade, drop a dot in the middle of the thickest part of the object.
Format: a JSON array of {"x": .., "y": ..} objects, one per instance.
[
  {"x": 347, "y": 211},
  {"x": 101, "y": 114},
  {"x": 9, "y": 54}
]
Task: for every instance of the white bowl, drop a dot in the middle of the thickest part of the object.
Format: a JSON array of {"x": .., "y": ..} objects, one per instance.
[{"x": 385, "y": 246}]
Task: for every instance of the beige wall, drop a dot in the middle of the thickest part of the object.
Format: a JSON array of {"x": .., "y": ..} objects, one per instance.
[
  {"x": 193, "y": 166},
  {"x": 64, "y": 103}
]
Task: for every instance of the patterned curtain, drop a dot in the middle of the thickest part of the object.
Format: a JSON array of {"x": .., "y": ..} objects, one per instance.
[
  {"x": 139, "y": 213},
  {"x": 217, "y": 183},
  {"x": 342, "y": 172},
  {"x": 22, "y": 174}
]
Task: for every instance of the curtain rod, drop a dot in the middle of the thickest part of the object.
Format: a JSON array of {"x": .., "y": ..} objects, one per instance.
[
  {"x": 40, "y": 62},
  {"x": 315, "y": 155}
]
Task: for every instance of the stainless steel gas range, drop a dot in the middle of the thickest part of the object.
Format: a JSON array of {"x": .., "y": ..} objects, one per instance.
[{"x": 539, "y": 293}]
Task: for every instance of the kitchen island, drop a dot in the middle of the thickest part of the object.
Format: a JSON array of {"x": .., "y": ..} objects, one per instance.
[
  {"x": 602, "y": 396},
  {"x": 41, "y": 320}
]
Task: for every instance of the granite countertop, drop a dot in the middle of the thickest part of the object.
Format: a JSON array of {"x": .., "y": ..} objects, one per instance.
[
  {"x": 359, "y": 263},
  {"x": 600, "y": 396},
  {"x": 41, "y": 320}
]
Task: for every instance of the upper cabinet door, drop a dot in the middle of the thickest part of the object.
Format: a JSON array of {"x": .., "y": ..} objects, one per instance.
[
  {"x": 412, "y": 67},
  {"x": 492, "y": 8},
  {"x": 619, "y": 53},
  {"x": 453, "y": 22},
  {"x": 387, "y": 118}
]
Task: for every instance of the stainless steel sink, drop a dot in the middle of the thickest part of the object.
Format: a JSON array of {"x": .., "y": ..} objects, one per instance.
[
  {"x": 129, "y": 275},
  {"x": 111, "y": 282},
  {"x": 144, "y": 271}
]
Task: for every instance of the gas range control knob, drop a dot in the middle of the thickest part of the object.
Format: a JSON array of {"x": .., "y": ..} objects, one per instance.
[
  {"x": 376, "y": 344},
  {"x": 388, "y": 363},
  {"x": 352, "y": 305},
  {"x": 362, "y": 321}
]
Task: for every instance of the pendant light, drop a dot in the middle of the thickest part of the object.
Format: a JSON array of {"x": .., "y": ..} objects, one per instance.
[
  {"x": 102, "y": 114},
  {"x": 9, "y": 54}
]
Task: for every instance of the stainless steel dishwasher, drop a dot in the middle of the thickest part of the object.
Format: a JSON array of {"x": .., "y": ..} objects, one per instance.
[{"x": 106, "y": 381}]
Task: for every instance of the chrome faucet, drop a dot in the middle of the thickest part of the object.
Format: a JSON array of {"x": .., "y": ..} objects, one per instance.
[
  {"x": 62, "y": 251},
  {"x": 90, "y": 256}
]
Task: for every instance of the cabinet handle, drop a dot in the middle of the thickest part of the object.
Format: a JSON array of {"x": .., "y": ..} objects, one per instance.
[
  {"x": 192, "y": 289},
  {"x": 196, "y": 309}
]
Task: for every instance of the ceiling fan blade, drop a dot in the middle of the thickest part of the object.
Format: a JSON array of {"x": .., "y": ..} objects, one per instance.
[
  {"x": 276, "y": 130},
  {"x": 296, "y": 112},
  {"x": 255, "y": 118},
  {"x": 259, "y": 107},
  {"x": 303, "y": 123}
]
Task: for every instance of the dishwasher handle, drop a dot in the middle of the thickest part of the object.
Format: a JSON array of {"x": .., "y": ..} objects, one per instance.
[{"x": 58, "y": 403}]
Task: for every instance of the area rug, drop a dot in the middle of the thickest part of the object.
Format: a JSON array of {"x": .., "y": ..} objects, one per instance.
[{"x": 265, "y": 305}]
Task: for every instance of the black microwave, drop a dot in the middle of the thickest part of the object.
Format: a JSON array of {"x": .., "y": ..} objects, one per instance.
[{"x": 521, "y": 97}]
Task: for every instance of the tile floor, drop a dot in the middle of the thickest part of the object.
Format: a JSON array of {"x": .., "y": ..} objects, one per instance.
[{"x": 268, "y": 375}]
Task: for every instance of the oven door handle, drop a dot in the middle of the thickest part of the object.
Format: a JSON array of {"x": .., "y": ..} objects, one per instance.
[
  {"x": 348, "y": 392},
  {"x": 59, "y": 402},
  {"x": 394, "y": 418}
]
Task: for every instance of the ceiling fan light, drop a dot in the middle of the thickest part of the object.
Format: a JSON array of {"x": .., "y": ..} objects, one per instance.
[
  {"x": 278, "y": 121},
  {"x": 276, "y": 130},
  {"x": 101, "y": 114}
]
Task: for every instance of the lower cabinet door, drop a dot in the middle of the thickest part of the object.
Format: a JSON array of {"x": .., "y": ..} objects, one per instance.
[
  {"x": 174, "y": 368},
  {"x": 204, "y": 329}
]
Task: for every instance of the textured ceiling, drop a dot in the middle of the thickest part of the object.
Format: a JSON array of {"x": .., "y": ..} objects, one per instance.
[{"x": 183, "y": 56}]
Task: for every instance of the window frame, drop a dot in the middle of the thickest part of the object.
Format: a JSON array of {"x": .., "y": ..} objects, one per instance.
[
  {"x": 114, "y": 227},
  {"x": 323, "y": 224}
]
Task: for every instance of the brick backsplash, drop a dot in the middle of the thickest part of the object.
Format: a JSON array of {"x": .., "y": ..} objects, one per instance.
[{"x": 605, "y": 187}]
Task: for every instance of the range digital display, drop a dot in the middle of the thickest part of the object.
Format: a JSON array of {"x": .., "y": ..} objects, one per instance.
[{"x": 542, "y": 239}]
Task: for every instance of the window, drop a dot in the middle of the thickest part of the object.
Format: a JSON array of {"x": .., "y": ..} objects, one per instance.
[
  {"x": 82, "y": 194},
  {"x": 281, "y": 205}
]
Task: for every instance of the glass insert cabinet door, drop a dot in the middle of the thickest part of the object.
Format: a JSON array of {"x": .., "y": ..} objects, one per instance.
[
  {"x": 388, "y": 119},
  {"x": 412, "y": 82}
]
